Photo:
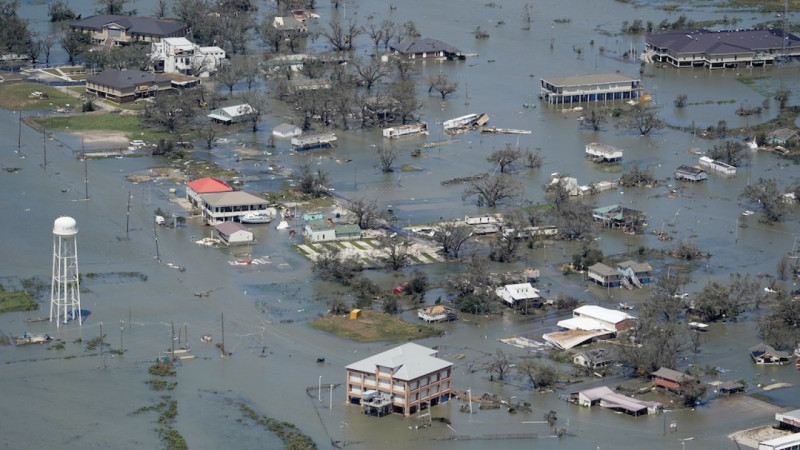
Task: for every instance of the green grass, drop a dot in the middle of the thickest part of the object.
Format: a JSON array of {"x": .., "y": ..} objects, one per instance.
[
  {"x": 18, "y": 96},
  {"x": 85, "y": 122},
  {"x": 374, "y": 326},
  {"x": 16, "y": 301},
  {"x": 368, "y": 261},
  {"x": 301, "y": 250},
  {"x": 371, "y": 243},
  {"x": 329, "y": 246},
  {"x": 357, "y": 245},
  {"x": 314, "y": 247},
  {"x": 415, "y": 259},
  {"x": 430, "y": 258},
  {"x": 341, "y": 245}
]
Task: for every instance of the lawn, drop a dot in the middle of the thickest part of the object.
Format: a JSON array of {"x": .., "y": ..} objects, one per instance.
[
  {"x": 430, "y": 258},
  {"x": 357, "y": 245},
  {"x": 16, "y": 301},
  {"x": 18, "y": 96},
  {"x": 84, "y": 122},
  {"x": 374, "y": 326}
]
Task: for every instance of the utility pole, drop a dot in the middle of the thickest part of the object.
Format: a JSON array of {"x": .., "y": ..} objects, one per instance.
[
  {"x": 173, "y": 340},
  {"x": 331, "y": 398},
  {"x": 222, "y": 321},
  {"x": 102, "y": 359},
  {"x": 155, "y": 236},
  {"x": 85, "y": 170},
  {"x": 19, "y": 135},
  {"x": 129, "y": 318},
  {"x": 121, "y": 343},
  {"x": 128, "y": 216},
  {"x": 44, "y": 147}
]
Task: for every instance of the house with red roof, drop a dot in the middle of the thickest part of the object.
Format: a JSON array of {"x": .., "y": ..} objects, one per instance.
[{"x": 205, "y": 185}]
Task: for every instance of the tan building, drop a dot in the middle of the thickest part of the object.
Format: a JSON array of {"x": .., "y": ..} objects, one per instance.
[
  {"x": 117, "y": 30},
  {"x": 405, "y": 379}
]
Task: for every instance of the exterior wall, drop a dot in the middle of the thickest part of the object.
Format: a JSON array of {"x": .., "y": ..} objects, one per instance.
[
  {"x": 320, "y": 235},
  {"x": 432, "y": 388},
  {"x": 223, "y": 213},
  {"x": 623, "y": 90},
  {"x": 127, "y": 94}
]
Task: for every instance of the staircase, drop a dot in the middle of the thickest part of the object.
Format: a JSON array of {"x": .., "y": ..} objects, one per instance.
[
  {"x": 624, "y": 282},
  {"x": 635, "y": 280}
]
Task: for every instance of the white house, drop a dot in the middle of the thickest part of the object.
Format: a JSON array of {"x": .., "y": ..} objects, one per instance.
[
  {"x": 233, "y": 233},
  {"x": 231, "y": 114},
  {"x": 286, "y": 130},
  {"x": 513, "y": 294},
  {"x": 180, "y": 55}
]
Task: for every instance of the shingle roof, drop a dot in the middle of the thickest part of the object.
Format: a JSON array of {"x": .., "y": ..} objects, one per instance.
[
  {"x": 133, "y": 24},
  {"x": 207, "y": 185},
  {"x": 121, "y": 79},
  {"x": 409, "y": 361},
  {"x": 672, "y": 375},
  {"x": 424, "y": 45},
  {"x": 722, "y": 42},
  {"x": 603, "y": 269},
  {"x": 636, "y": 266}
]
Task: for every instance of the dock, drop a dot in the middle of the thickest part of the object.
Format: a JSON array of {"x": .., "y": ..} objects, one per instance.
[{"x": 313, "y": 141}]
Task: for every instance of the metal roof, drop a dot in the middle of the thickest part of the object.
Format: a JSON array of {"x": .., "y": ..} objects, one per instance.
[
  {"x": 228, "y": 228},
  {"x": 121, "y": 79},
  {"x": 590, "y": 79},
  {"x": 233, "y": 198},
  {"x": 231, "y": 112},
  {"x": 603, "y": 314},
  {"x": 132, "y": 24},
  {"x": 207, "y": 185},
  {"x": 603, "y": 269},
  {"x": 722, "y": 42},
  {"x": 636, "y": 266},
  {"x": 409, "y": 361},
  {"x": 610, "y": 399}
]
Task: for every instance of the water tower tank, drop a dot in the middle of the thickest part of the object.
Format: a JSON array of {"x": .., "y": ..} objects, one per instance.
[{"x": 65, "y": 226}]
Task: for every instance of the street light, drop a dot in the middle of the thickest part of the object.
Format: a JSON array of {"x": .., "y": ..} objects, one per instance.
[{"x": 683, "y": 442}]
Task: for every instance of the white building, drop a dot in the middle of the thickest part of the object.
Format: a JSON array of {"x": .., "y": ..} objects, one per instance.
[
  {"x": 180, "y": 55},
  {"x": 234, "y": 233},
  {"x": 788, "y": 442},
  {"x": 513, "y": 294}
]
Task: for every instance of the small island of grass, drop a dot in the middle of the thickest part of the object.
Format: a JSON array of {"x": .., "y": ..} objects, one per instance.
[
  {"x": 373, "y": 326},
  {"x": 16, "y": 301}
]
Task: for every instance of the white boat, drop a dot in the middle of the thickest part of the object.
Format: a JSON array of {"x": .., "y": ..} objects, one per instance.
[
  {"x": 698, "y": 326},
  {"x": 256, "y": 217}
]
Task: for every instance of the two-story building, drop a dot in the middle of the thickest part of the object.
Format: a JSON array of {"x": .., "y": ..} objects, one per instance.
[
  {"x": 598, "y": 87},
  {"x": 405, "y": 379},
  {"x": 204, "y": 185},
  {"x": 220, "y": 207},
  {"x": 111, "y": 30},
  {"x": 180, "y": 55}
]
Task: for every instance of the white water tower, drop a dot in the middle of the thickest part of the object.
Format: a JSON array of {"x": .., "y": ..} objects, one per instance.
[{"x": 65, "y": 292}]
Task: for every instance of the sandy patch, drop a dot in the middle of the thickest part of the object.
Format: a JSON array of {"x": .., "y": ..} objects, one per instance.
[
  {"x": 753, "y": 436},
  {"x": 103, "y": 137}
]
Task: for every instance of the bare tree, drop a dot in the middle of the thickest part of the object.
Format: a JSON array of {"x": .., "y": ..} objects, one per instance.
[
  {"x": 573, "y": 219},
  {"x": 532, "y": 160},
  {"x": 503, "y": 248},
  {"x": 491, "y": 190},
  {"x": 732, "y": 152},
  {"x": 636, "y": 176},
  {"x": 365, "y": 211},
  {"x": 500, "y": 365},
  {"x": 374, "y": 31},
  {"x": 388, "y": 32},
  {"x": 452, "y": 236},
  {"x": 540, "y": 376},
  {"x": 228, "y": 75},
  {"x": 505, "y": 157},
  {"x": 74, "y": 43},
  {"x": 780, "y": 325},
  {"x": 258, "y": 107},
  {"x": 395, "y": 250},
  {"x": 47, "y": 46},
  {"x": 782, "y": 96},
  {"x": 386, "y": 157},
  {"x": 595, "y": 119},
  {"x": 114, "y": 7},
  {"x": 766, "y": 193},
  {"x": 441, "y": 84},
  {"x": 404, "y": 94},
  {"x": 641, "y": 118},
  {"x": 310, "y": 182},
  {"x": 370, "y": 73},
  {"x": 271, "y": 36},
  {"x": 208, "y": 132}
]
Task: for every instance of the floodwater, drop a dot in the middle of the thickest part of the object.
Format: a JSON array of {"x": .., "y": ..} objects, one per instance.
[{"x": 58, "y": 398}]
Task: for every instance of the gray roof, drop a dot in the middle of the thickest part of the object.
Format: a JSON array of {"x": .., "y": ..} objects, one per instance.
[
  {"x": 590, "y": 79},
  {"x": 122, "y": 79},
  {"x": 722, "y": 42},
  {"x": 424, "y": 45},
  {"x": 672, "y": 375},
  {"x": 603, "y": 269},
  {"x": 228, "y": 228},
  {"x": 694, "y": 170},
  {"x": 233, "y": 198},
  {"x": 149, "y": 26},
  {"x": 409, "y": 361},
  {"x": 636, "y": 266},
  {"x": 783, "y": 134}
]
